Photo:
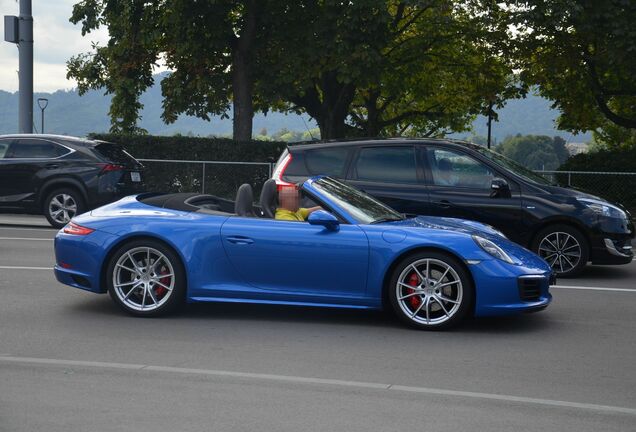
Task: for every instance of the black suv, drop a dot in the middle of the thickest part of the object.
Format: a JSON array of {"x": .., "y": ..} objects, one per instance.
[
  {"x": 61, "y": 176},
  {"x": 567, "y": 227}
]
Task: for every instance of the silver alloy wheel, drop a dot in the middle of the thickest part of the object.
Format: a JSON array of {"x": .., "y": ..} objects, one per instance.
[
  {"x": 561, "y": 250},
  {"x": 143, "y": 279},
  {"x": 429, "y": 291},
  {"x": 62, "y": 208}
]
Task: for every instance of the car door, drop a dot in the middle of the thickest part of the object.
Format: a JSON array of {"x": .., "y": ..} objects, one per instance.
[
  {"x": 6, "y": 174},
  {"x": 289, "y": 256},
  {"x": 26, "y": 162},
  {"x": 391, "y": 174},
  {"x": 460, "y": 186}
]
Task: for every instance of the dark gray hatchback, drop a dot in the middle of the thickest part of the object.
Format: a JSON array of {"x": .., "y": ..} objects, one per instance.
[
  {"x": 61, "y": 176},
  {"x": 567, "y": 227}
]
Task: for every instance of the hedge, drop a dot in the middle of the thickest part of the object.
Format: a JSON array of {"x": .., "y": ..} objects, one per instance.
[
  {"x": 615, "y": 188},
  {"x": 220, "y": 179},
  {"x": 196, "y": 148}
]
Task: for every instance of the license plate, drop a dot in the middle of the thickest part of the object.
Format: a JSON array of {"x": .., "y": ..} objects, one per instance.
[{"x": 135, "y": 176}]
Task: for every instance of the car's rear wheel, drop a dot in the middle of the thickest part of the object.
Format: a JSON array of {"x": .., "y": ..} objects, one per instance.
[
  {"x": 146, "y": 278},
  {"x": 430, "y": 290},
  {"x": 564, "y": 248},
  {"x": 61, "y": 205}
]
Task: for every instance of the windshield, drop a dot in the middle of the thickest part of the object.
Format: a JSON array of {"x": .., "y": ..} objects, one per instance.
[
  {"x": 363, "y": 208},
  {"x": 514, "y": 167}
]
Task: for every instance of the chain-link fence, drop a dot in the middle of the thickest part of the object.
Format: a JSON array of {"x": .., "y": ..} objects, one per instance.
[
  {"x": 619, "y": 187},
  {"x": 218, "y": 178}
]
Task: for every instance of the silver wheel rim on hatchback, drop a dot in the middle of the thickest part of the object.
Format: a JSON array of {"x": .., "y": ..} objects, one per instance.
[
  {"x": 561, "y": 250},
  {"x": 429, "y": 291},
  {"x": 143, "y": 279},
  {"x": 62, "y": 208}
]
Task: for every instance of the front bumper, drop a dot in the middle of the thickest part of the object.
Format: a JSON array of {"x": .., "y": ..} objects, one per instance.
[{"x": 503, "y": 289}]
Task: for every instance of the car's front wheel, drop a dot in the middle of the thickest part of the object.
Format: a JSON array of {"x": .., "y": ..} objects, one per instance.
[
  {"x": 430, "y": 290},
  {"x": 61, "y": 205},
  {"x": 146, "y": 278},
  {"x": 564, "y": 248}
]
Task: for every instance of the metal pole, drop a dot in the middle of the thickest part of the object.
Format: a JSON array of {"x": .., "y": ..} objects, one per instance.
[
  {"x": 25, "y": 46},
  {"x": 489, "y": 122},
  {"x": 203, "y": 181},
  {"x": 42, "y": 126}
]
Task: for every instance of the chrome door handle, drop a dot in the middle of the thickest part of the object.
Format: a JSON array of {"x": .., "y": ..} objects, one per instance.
[{"x": 445, "y": 204}]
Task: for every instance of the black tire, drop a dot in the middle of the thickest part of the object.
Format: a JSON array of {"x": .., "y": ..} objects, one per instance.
[
  {"x": 61, "y": 205},
  {"x": 567, "y": 263},
  {"x": 128, "y": 296},
  {"x": 440, "y": 313}
]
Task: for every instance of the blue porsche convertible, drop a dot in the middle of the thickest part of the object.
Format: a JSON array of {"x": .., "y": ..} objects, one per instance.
[{"x": 153, "y": 252}]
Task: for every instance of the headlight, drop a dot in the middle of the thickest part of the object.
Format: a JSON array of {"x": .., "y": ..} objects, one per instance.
[
  {"x": 603, "y": 208},
  {"x": 493, "y": 249}
]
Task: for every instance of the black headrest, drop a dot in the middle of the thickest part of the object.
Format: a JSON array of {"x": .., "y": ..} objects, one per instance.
[
  {"x": 269, "y": 199},
  {"x": 244, "y": 204}
]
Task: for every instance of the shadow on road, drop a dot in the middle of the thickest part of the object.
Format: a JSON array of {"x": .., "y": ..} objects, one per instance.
[{"x": 256, "y": 314}]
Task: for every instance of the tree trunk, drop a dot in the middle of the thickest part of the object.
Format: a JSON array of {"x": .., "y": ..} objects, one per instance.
[{"x": 242, "y": 78}]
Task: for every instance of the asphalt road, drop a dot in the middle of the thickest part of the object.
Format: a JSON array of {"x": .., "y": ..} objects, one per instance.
[{"x": 70, "y": 360}]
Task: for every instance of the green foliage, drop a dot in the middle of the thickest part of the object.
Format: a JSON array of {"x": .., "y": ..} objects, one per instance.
[
  {"x": 195, "y": 148},
  {"x": 611, "y": 136},
  {"x": 370, "y": 67},
  {"x": 536, "y": 152},
  {"x": 582, "y": 55},
  {"x": 124, "y": 66}
]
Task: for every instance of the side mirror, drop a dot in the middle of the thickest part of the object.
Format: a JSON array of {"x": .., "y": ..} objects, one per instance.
[
  {"x": 499, "y": 188},
  {"x": 323, "y": 218}
]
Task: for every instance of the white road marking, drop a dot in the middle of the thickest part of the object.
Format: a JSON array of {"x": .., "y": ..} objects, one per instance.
[
  {"x": 591, "y": 288},
  {"x": 321, "y": 381},
  {"x": 24, "y": 268},
  {"x": 26, "y": 239}
]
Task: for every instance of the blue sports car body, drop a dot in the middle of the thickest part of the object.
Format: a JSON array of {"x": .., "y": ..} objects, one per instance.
[{"x": 355, "y": 253}]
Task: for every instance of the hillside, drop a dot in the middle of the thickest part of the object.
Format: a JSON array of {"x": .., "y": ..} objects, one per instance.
[{"x": 68, "y": 113}]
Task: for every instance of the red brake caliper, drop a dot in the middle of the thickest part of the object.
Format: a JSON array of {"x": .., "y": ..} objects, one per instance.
[
  {"x": 414, "y": 281},
  {"x": 159, "y": 290}
]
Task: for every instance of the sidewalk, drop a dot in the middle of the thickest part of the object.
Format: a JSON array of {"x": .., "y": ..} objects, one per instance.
[{"x": 24, "y": 220}]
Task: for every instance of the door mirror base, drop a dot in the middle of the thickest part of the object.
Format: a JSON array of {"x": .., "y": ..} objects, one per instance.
[
  {"x": 323, "y": 218},
  {"x": 499, "y": 188}
]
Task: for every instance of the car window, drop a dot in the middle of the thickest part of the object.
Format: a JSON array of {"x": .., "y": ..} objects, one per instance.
[
  {"x": 35, "y": 149},
  {"x": 387, "y": 164},
  {"x": 115, "y": 153},
  {"x": 450, "y": 168},
  {"x": 329, "y": 162},
  {"x": 4, "y": 146}
]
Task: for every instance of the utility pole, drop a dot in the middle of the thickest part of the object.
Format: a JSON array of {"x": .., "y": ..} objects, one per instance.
[{"x": 19, "y": 30}]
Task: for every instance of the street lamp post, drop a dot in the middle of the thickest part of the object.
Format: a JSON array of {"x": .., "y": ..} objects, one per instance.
[
  {"x": 489, "y": 122},
  {"x": 42, "y": 103}
]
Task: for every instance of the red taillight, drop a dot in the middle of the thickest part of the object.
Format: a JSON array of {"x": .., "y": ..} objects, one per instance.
[
  {"x": 280, "y": 170},
  {"x": 75, "y": 229},
  {"x": 111, "y": 167}
]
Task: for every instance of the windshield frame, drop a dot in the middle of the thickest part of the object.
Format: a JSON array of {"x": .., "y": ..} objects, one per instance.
[{"x": 352, "y": 213}]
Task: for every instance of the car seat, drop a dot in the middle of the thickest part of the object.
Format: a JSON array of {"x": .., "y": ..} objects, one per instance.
[
  {"x": 269, "y": 199},
  {"x": 244, "y": 204}
]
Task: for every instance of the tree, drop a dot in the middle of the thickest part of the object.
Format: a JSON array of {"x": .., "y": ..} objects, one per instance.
[
  {"x": 209, "y": 46},
  {"x": 386, "y": 67},
  {"x": 536, "y": 152},
  {"x": 582, "y": 55},
  {"x": 124, "y": 66}
]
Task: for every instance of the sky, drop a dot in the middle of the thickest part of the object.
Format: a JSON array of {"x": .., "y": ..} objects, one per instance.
[{"x": 55, "y": 41}]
